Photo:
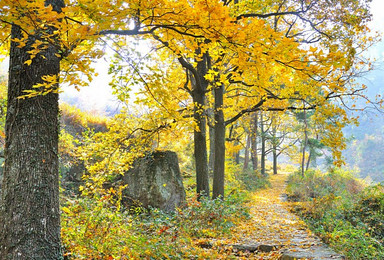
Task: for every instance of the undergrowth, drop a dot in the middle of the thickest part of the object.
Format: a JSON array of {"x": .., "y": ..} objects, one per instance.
[
  {"x": 247, "y": 179},
  {"x": 92, "y": 229},
  {"x": 342, "y": 211}
]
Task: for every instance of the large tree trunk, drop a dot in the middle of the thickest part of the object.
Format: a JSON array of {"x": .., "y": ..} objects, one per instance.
[
  {"x": 30, "y": 214},
  {"x": 200, "y": 136},
  {"x": 200, "y": 143},
  {"x": 218, "y": 171},
  {"x": 254, "y": 142}
]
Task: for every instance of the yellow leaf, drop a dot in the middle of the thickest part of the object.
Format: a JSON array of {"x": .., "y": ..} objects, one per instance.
[
  {"x": 28, "y": 62},
  {"x": 66, "y": 210}
]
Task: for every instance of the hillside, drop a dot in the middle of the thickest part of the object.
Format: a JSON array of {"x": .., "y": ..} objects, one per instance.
[{"x": 366, "y": 141}]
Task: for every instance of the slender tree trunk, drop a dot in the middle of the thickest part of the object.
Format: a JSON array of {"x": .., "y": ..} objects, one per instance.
[
  {"x": 275, "y": 143},
  {"x": 254, "y": 143},
  {"x": 211, "y": 143},
  {"x": 263, "y": 172},
  {"x": 274, "y": 159},
  {"x": 30, "y": 214},
  {"x": 218, "y": 171},
  {"x": 246, "y": 152},
  {"x": 304, "y": 144},
  {"x": 309, "y": 160}
]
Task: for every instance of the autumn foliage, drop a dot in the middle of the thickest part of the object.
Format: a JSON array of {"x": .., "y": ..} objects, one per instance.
[{"x": 213, "y": 68}]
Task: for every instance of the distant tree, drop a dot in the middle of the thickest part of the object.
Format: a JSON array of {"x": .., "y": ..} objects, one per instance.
[
  {"x": 254, "y": 129},
  {"x": 264, "y": 127}
]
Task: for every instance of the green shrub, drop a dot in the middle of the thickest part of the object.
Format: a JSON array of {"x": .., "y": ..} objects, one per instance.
[
  {"x": 338, "y": 209},
  {"x": 315, "y": 184},
  {"x": 369, "y": 210}
]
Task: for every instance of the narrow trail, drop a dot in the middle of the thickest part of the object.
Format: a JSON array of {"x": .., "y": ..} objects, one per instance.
[{"x": 275, "y": 233}]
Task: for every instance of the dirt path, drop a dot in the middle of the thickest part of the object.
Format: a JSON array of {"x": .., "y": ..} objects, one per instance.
[{"x": 276, "y": 231}]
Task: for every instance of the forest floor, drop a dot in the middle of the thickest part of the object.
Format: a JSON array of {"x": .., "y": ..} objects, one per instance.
[{"x": 273, "y": 232}]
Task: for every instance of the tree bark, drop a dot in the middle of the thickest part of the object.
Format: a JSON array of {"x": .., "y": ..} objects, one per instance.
[
  {"x": 200, "y": 136},
  {"x": 200, "y": 143},
  {"x": 30, "y": 214},
  {"x": 218, "y": 171}
]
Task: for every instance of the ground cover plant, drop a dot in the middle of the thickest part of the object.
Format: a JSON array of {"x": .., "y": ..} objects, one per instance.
[
  {"x": 95, "y": 227},
  {"x": 342, "y": 210}
]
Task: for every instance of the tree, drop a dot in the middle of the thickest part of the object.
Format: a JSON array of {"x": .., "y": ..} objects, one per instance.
[
  {"x": 265, "y": 50},
  {"x": 287, "y": 18},
  {"x": 30, "y": 214},
  {"x": 281, "y": 135},
  {"x": 219, "y": 165}
]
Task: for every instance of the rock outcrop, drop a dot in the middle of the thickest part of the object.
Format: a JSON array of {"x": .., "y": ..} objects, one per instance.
[{"x": 154, "y": 181}]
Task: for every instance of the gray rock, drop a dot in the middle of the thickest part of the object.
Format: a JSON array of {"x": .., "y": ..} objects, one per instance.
[
  {"x": 155, "y": 181},
  {"x": 255, "y": 248},
  {"x": 314, "y": 252}
]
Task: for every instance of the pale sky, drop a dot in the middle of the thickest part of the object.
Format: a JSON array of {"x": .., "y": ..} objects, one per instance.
[
  {"x": 377, "y": 8},
  {"x": 98, "y": 95}
]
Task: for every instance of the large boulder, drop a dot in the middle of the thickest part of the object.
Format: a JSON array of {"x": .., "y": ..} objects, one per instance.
[{"x": 155, "y": 181}]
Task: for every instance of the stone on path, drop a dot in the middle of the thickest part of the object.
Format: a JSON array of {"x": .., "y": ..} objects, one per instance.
[
  {"x": 255, "y": 247},
  {"x": 315, "y": 252}
]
